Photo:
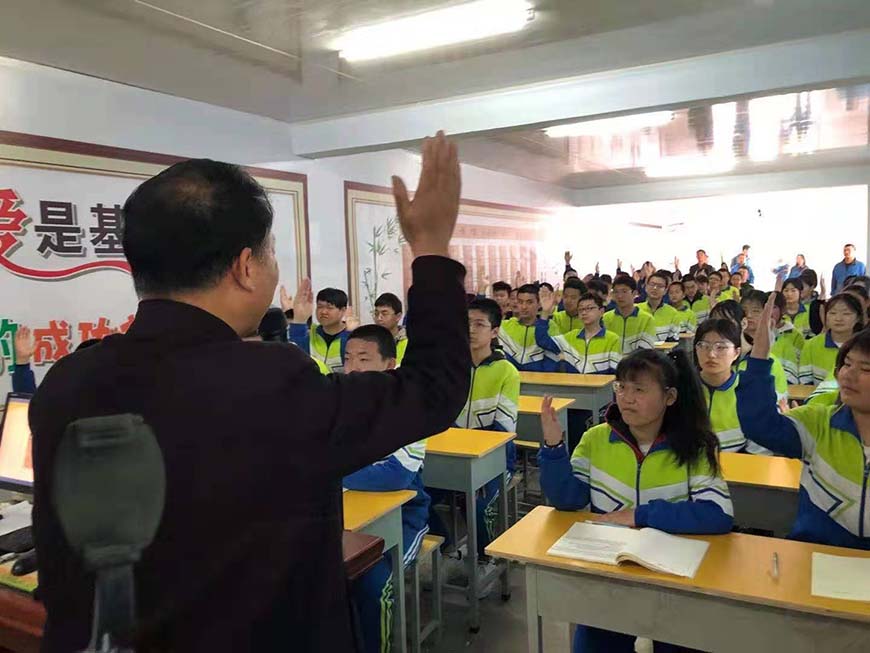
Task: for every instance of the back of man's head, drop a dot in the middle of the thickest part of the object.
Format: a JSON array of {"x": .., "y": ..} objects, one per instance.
[{"x": 184, "y": 227}]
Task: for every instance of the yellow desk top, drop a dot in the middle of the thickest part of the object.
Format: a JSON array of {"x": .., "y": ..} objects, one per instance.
[
  {"x": 800, "y": 392},
  {"x": 568, "y": 380},
  {"x": 532, "y": 405},
  {"x": 736, "y": 566},
  {"x": 25, "y": 584},
  {"x": 761, "y": 471},
  {"x": 687, "y": 336},
  {"x": 665, "y": 346},
  {"x": 362, "y": 508},
  {"x": 467, "y": 443}
]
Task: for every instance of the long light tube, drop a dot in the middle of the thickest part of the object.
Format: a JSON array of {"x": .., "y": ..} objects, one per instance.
[{"x": 607, "y": 126}]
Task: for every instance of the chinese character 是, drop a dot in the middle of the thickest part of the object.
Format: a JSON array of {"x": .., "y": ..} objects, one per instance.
[
  {"x": 60, "y": 232},
  {"x": 107, "y": 234}
]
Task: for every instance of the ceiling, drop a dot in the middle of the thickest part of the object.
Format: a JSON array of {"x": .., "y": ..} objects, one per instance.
[
  {"x": 275, "y": 57},
  {"x": 826, "y": 127}
]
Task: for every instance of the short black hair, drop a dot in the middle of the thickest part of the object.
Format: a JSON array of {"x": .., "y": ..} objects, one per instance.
[
  {"x": 489, "y": 307},
  {"x": 744, "y": 267},
  {"x": 273, "y": 326},
  {"x": 701, "y": 251},
  {"x": 715, "y": 273},
  {"x": 688, "y": 277},
  {"x": 597, "y": 286},
  {"x": 377, "y": 334},
  {"x": 810, "y": 278},
  {"x": 745, "y": 247},
  {"x": 389, "y": 300},
  {"x": 857, "y": 280},
  {"x": 754, "y": 297},
  {"x": 857, "y": 289},
  {"x": 547, "y": 285},
  {"x": 794, "y": 281},
  {"x": 702, "y": 278},
  {"x": 850, "y": 245},
  {"x": 853, "y": 304},
  {"x": 501, "y": 286},
  {"x": 590, "y": 297},
  {"x": 859, "y": 342},
  {"x": 528, "y": 289},
  {"x": 724, "y": 327},
  {"x": 334, "y": 296},
  {"x": 729, "y": 310},
  {"x": 661, "y": 274},
  {"x": 625, "y": 280},
  {"x": 575, "y": 284},
  {"x": 606, "y": 278},
  {"x": 183, "y": 228},
  {"x": 679, "y": 283}
]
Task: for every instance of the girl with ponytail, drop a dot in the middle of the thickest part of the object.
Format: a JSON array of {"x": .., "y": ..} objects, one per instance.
[{"x": 654, "y": 463}]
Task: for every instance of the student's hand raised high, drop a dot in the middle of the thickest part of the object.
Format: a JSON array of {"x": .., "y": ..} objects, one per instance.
[
  {"x": 303, "y": 303},
  {"x": 780, "y": 280},
  {"x": 761, "y": 343},
  {"x": 428, "y": 220},
  {"x": 550, "y": 426},
  {"x": 548, "y": 304},
  {"x": 23, "y": 345},
  {"x": 676, "y": 263},
  {"x": 568, "y": 258},
  {"x": 823, "y": 288},
  {"x": 351, "y": 319},
  {"x": 286, "y": 300}
]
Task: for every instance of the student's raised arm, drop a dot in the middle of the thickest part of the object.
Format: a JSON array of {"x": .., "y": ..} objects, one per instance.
[
  {"x": 757, "y": 411},
  {"x": 564, "y": 481},
  {"x": 366, "y": 416},
  {"x": 23, "y": 380}
]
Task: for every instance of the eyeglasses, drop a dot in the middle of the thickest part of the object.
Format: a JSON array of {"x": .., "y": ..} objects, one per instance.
[
  {"x": 621, "y": 389},
  {"x": 718, "y": 348},
  {"x": 480, "y": 325},
  {"x": 657, "y": 286}
]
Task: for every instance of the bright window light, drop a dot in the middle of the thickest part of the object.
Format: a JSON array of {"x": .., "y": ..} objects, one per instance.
[
  {"x": 607, "y": 126},
  {"x": 691, "y": 165},
  {"x": 466, "y": 22}
]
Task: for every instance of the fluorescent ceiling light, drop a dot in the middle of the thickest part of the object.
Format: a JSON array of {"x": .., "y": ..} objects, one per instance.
[
  {"x": 690, "y": 166},
  {"x": 620, "y": 125},
  {"x": 466, "y": 22}
]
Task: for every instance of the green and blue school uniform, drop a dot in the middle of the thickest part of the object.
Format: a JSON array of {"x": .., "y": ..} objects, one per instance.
[
  {"x": 834, "y": 498},
  {"x": 777, "y": 371},
  {"x": 667, "y": 320},
  {"x": 562, "y": 323},
  {"x": 688, "y": 319},
  {"x": 801, "y": 320},
  {"x": 787, "y": 349},
  {"x": 373, "y": 592},
  {"x": 636, "y": 331},
  {"x": 818, "y": 359},
  {"x": 529, "y": 348},
  {"x": 599, "y": 354},
  {"x": 323, "y": 347},
  {"x": 700, "y": 307},
  {"x": 722, "y": 410},
  {"x": 608, "y": 471}
]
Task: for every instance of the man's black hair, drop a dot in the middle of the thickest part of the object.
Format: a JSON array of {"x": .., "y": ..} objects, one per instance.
[
  {"x": 528, "y": 289},
  {"x": 489, "y": 307},
  {"x": 183, "y": 228},
  {"x": 377, "y": 334},
  {"x": 575, "y": 284},
  {"x": 501, "y": 286},
  {"x": 625, "y": 280},
  {"x": 547, "y": 285},
  {"x": 389, "y": 300},
  {"x": 334, "y": 296}
]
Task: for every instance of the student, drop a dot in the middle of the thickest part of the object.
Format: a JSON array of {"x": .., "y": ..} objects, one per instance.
[
  {"x": 23, "y": 379},
  {"x": 372, "y": 348},
  {"x": 703, "y": 284},
  {"x": 742, "y": 261},
  {"x": 524, "y": 338},
  {"x": 599, "y": 289},
  {"x": 677, "y": 297},
  {"x": 546, "y": 292},
  {"x": 753, "y": 307},
  {"x": 654, "y": 463},
  {"x": 717, "y": 292},
  {"x": 789, "y": 343},
  {"x": 634, "y": 327},
  {"x": 833, "y": 441},
  {"x": 388, "y": 314},
  {"x": 844, "y": 316},
  {"x": 590, "y": 349},
  {"x": 608, "y": 289},
  {"x": 736, "y": 280},
  {"x": 568, "y": 318},
  {"x": 717, "y": 350},
  {"x": 696, "y": 296},
  {"x": 501, "y": 293},
  {"x": 492, "y": 405},
  {"x": 795, "y": 310},
  {"x": 860, "y": 293},
  {"x": 326, "y": 340},
  {"x": 667, "y": 320}
]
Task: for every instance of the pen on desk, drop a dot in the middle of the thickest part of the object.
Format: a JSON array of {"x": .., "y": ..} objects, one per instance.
[{"x": 774, "y": 570}]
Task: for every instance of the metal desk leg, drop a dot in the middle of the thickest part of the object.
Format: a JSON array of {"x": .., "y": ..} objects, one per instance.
[
  {"x": 399, "y": 643},
  {"x": 533, "y": 621},
  {"x": 471, "y": 521},
  {"x": 505, "y": 580}
]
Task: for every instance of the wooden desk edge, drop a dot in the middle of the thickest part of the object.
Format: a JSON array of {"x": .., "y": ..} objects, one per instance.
[{"x": 401, "y": 500}]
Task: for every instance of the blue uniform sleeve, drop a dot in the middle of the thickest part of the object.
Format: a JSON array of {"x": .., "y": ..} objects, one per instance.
[
  {"x": 299, "y": 335},
  {"x": 690, "y": 517},
  {"x": 759, "y": 418},
  {"x": 560, "y": 485},
  {"x": 23, "y": 380},
  {"x": 543, "y": 339},
  {"x": 383, "y": 476}
]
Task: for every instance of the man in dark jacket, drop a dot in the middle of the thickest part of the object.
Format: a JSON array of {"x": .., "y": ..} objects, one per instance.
[{"x": 255, "y": 440}]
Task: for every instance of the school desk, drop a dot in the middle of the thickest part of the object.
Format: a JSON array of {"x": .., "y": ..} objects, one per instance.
[
  {"x": 732, "y": 605},
  {"x": 380, "y": 514},
  {"x": 464, "y": 460},
  {"x": 687, "y": 341},
  {"x": 589, "y": 391},
  {"x": 800, "y": 392},
  {"x": 764, "y": 490},
  {"x": 529, "y": 418},
  {"x": 666, "y": 346}
]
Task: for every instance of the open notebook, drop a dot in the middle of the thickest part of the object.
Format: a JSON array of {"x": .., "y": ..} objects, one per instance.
[
  {"x": 648, "y": 547},
  {"x": 841, "y": 577}
]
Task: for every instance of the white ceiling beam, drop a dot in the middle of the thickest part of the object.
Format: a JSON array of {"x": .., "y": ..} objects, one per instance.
[{"x": 796, "y": 64}]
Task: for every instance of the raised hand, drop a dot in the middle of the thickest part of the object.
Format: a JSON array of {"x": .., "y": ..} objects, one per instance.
[
  {"x": 428, "y": 220},
  {"x": 286, "y": 300},
  {"x": 483, "y": 284},
  {"x": 568, "y": 258},
  {"x": 618, "y": 264},
  {"x": 761, "y": 344},
  {"x": 676, "y": 263},
  {"x": 303, "y": 303},
  {"x": 548, "y": 303},
  {"x": 823, "y": 287},
  {"x": 518, "y": 279},
  {"x": 780, "y": 279},
  {"x": 23, "y": 345},
  {"x": 550, "y": 426},
  {"x": 351, "y": 319}
]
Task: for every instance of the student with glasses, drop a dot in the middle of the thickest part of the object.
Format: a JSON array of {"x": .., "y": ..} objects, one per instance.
[
  {"x": 653, "y": 463},
  {"x": 667, "y": 320}
]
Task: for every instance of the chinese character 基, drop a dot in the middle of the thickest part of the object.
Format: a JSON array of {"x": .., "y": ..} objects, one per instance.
[
  {"x": 107, "y": 234},
  {"x": 60, "y": 232}
]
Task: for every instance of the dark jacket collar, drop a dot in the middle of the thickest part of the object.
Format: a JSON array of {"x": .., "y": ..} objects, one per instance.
[
  {"x": 164, "y": 319},
  {"x": 495, "y": 356}
]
